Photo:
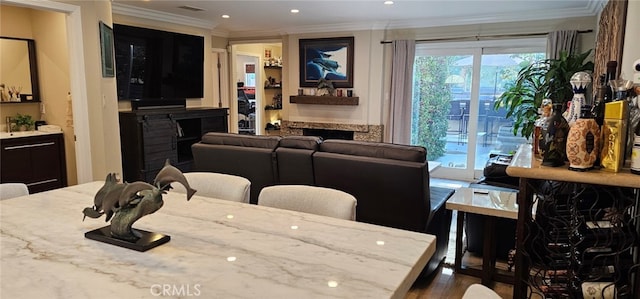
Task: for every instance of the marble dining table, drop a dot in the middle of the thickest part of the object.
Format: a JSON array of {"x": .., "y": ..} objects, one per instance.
[{"x": 218, "y": 249}]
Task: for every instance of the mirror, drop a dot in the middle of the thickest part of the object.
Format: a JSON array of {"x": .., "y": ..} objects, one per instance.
[{"x": 18, "y": 67}]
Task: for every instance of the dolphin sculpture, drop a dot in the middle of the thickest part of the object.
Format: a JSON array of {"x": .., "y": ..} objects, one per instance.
[{"x": 125, "y": 203}]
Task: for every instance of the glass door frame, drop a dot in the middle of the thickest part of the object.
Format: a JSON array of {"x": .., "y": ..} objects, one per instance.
[{"x": 476, "y": 49}]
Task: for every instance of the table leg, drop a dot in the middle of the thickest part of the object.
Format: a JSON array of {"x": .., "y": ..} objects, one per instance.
[
  {"x": 459, "y": 234},
  {"x": 488, "y": 251}
]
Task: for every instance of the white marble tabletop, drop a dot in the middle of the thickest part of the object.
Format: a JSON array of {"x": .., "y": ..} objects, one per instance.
[
  {"x": 485, "y": 202},
  {"x": 218, "y": 249}
]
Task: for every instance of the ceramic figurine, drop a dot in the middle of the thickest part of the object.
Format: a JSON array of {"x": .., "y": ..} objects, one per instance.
[{"x": 579, "y": 82}]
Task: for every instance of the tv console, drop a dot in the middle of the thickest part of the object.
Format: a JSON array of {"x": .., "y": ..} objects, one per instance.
[{"x": 149, "y": 137}]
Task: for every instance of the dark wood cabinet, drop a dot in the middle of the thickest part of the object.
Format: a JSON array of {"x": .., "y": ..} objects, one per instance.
[
  {"x": 150, "y": 137},
  {"x": 38, "y": 161}
]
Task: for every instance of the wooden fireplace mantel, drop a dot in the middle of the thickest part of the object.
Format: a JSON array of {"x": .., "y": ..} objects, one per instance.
[{"x": 324, "y": 100}]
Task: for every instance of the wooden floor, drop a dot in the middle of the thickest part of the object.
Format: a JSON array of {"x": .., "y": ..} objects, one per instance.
[{"x": 447, "y": 284}]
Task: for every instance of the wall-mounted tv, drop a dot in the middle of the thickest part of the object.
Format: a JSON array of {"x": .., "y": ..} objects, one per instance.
[{"x": 155, "y": 64}]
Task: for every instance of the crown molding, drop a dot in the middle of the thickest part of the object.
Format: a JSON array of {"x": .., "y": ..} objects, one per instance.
[{"x": 132, "y": 11}]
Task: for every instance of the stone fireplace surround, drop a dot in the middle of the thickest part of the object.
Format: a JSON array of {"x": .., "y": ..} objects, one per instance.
[{"x": 360, "y": 132}]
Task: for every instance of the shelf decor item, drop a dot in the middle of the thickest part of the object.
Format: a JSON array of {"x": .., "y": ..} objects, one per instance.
[
  {"x": 555, "y": 138},
  {"x": 326, "y": 58},
  {"x": 583, "y": 141},
  {"x": 126, "y": 203}
]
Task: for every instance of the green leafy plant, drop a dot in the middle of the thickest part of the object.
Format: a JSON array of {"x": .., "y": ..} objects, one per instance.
[
  {"x": 24, "y": 120},
  {"x": 543, "y": 79}
]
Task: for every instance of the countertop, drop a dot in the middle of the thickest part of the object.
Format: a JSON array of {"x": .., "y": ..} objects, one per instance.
[
  {"x": 525, "y": 165},
  {"x": 20, "y": 134}
]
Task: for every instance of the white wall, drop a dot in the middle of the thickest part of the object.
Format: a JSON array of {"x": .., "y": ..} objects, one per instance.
[{"x": 367, "y": 82}]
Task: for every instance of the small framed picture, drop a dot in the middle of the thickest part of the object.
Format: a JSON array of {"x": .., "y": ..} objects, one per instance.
[{"x": 106, "y": 49}]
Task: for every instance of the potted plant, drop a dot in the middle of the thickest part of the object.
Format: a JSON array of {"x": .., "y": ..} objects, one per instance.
[
  {"x": 24, "y": 122},
  {"x": 544, "y": 79}
]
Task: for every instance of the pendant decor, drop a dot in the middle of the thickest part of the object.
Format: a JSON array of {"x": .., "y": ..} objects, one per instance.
[{"x": 555, "y": 138}]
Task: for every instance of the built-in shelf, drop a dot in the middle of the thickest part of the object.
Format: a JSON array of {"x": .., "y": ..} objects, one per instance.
[
  {"x": 324, "y": 100},
  {"x": 272, "y": 67},
  {"x": 272, "y": 108},
  {"x": 272, "y": 87}
]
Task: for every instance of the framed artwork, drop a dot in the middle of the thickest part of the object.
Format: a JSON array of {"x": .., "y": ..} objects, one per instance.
[
  {"x": 106, "y": 49},
  {"x": 328, "y": 58}
]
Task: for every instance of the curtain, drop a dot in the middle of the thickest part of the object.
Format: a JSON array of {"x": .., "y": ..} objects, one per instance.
[
  {"x": 401, "y": 82},
  {"x": 558, "y": 41}
]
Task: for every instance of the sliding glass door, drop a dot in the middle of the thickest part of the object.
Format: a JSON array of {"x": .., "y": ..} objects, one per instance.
[{"x": 455, "y": 87}]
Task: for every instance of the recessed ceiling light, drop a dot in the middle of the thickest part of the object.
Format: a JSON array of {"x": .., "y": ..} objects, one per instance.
[
  {"x": 295, "y": 11},
  {"x": 388, "y": 2},
  {"x": 225, "y": 16}
]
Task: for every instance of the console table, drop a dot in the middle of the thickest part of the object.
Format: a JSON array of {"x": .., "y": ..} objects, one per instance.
[
  {"x": 575, "y": 212},
  {"x": 218, "y": 249},
  {"x": 491, "y": 204},
  {"x": 150, "y": 137}
]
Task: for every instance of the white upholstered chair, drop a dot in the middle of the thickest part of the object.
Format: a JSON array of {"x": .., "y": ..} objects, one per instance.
[
  {"x": 310, "y": 199},
  {"x": 11, "y": 190},
  {"x": 217, "y": 185},
  {"x": 478, "y": 291}
]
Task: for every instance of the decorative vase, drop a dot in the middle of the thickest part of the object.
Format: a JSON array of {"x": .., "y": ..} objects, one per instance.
[
  {"x": 583, "y": 141},
  {"x": 555, "y": 138},
  {"x": 579, "y": 83}
]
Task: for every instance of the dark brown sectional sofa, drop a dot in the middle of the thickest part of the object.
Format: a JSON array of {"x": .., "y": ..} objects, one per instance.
[{"x": 390, "y": 181}]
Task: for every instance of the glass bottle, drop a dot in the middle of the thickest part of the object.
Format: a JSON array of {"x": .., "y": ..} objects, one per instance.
[
  {"x": 635, "y": 152},
  {"x": 583, "y": 142},
  {"x": 555, "y": 138},
  {"x": 540, "y": 126}
]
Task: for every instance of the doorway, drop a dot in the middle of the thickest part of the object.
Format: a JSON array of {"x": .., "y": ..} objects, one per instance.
[{"x": 256, "y": 75}]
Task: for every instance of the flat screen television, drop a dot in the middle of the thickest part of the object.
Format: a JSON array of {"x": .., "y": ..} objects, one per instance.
[{"x": 157, "y": 65}]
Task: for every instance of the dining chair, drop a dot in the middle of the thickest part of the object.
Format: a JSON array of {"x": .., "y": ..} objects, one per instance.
[
  {"x": 310, "y": 199},
  {"x": 11, "y": 190},
  {"x": 478, "y": 291},
  {"x": 217, "y": 185}
]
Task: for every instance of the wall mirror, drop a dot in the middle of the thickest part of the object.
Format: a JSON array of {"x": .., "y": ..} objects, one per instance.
[{"x": 18, "y": 67}]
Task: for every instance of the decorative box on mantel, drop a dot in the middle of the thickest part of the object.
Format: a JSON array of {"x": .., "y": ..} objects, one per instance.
[{"x": 324, "y": 100}]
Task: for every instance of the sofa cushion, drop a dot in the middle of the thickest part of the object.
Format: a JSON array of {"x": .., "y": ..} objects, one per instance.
[
  {"x": 295, "y": 165},
  {"x": 389, "y": 192},
  {"x": 269, "y": 142},
  {"x": 301, "y": 142},
  {"x": 375, "y": 149},
  {"x": 251, "y": 157}
]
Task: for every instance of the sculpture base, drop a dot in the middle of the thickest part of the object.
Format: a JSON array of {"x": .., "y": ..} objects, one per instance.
[{"x": 146, "y": 241}]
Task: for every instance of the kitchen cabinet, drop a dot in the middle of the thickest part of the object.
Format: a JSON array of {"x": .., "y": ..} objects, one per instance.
[{"x": 36, "y": 159}]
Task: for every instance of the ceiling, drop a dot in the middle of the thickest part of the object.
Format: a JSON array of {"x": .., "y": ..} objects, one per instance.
[{"x": 260, "y": 18}]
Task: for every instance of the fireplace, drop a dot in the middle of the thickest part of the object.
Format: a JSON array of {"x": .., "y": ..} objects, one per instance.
[
  {"x": 329, "y": 134},
  {"x": 350, "y": 131}
]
